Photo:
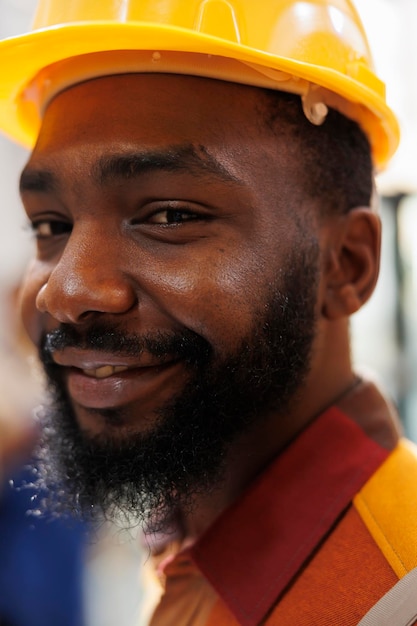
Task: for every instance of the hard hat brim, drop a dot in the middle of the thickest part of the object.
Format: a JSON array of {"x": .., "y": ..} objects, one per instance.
[{"x": 23, "y": 57}]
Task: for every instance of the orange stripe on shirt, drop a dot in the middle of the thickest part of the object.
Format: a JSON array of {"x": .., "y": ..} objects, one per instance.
[{"x": 336, "y": 588}]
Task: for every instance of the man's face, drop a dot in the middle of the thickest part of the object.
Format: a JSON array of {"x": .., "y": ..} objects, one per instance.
[{"x": 174, "y": 285}]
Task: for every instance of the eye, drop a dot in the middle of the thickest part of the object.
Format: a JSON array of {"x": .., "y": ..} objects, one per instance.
[
  {"x": 44, "y": 229},
  {"x": 173, "y": 216}
]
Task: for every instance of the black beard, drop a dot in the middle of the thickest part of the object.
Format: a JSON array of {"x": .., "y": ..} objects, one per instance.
[{"x": 147, "y": 477}]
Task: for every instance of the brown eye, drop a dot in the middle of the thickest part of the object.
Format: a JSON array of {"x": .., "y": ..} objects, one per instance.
[
  {"x": 43, "y": 229},
  {"x": 172, "y": 216}
]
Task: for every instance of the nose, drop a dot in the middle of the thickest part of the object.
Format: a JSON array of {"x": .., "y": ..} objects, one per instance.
[{"x": 88, "y": 279}]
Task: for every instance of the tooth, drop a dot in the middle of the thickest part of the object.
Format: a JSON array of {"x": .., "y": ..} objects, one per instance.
[
  {"x": 90, "y": 372},
  {"x": 104, "y": 372}
]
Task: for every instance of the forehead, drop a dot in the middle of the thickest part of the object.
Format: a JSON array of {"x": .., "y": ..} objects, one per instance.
[
  {"x": 158, "y": 108},
  {"x": 152, "y": 113},
  {"x": 151, "y": 105}
]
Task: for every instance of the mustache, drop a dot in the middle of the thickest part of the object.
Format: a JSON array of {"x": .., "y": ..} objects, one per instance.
[{"x": 183, "y": 344}]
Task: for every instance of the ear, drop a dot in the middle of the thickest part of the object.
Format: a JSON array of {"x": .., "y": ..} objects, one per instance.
[{"x": 351, "y": 261}]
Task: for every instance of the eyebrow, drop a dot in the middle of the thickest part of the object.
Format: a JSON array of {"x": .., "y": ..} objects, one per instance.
[
  {"x": 37, "y": 180},
  {"x": 183, "y": 158},
  {"x": 195, "y": 160}
]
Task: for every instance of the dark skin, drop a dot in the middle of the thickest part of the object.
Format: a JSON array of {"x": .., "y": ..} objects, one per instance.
[{"x": 187, "y": 227}]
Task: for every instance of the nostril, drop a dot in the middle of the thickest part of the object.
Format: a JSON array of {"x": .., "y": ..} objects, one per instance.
[{"x": 86, "y": 315}]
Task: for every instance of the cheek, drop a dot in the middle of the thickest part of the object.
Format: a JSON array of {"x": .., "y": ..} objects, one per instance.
[{"x": 217, "y": 297}]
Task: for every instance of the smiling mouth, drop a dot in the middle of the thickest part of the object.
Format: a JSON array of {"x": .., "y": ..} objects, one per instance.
[
  {"x": 104, "y": 371},
  {"x": 103, "y": 386}
]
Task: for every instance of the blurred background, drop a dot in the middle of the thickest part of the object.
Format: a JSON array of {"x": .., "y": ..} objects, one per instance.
[{"x": 384, "y": 333}]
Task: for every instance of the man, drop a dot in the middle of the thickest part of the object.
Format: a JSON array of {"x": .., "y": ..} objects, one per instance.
[{"x": 200, "y": 187}]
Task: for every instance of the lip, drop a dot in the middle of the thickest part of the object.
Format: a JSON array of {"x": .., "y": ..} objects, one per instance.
[
  {"x": 144, "y": 380},
  {"x": 90, "y": 359}
]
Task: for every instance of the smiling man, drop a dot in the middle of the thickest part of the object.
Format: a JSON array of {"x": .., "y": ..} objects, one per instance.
[{"x": 199, "y": 187}]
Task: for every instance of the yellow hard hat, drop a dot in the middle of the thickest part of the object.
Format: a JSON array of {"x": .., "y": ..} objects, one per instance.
[{"x": 316, "y": 48}]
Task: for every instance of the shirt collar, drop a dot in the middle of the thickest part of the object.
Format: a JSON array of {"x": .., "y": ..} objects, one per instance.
[{"x": 254, "y": 549}]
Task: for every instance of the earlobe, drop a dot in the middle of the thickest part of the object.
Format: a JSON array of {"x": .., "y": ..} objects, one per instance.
[{"x": 352, "y": 262}]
